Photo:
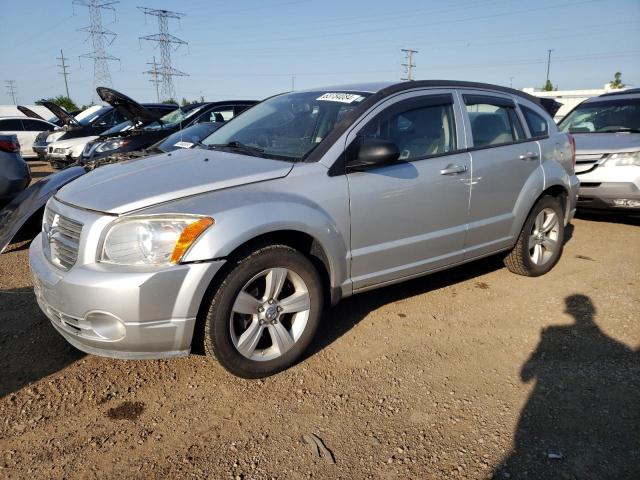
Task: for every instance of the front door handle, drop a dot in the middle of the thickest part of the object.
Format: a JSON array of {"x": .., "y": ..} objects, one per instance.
[
  {"x": 453, "y": 169},
  {"x": 529, "y": 156}
]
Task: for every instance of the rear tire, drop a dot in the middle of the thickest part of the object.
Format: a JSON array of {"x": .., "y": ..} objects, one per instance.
[
  {"x": 540, "y": 243},
  {"x": 264, "y": 313}
]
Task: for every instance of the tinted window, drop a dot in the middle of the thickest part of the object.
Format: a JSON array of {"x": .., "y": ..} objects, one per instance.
[
  {"x": 537, "y": 124},
  {"x": 35, "y": 125},
  {"x": 13, "y": 125},
  {"x": 417, "y": 127},
  {"x": 112, "y": 118},
  {"x": 217, "y": 115},
  {"x": 494, "y": 124}
]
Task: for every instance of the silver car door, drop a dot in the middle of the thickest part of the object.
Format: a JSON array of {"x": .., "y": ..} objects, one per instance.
[
  {"x": 409, "y": 217},
  {"x": 503, "y": 160}
]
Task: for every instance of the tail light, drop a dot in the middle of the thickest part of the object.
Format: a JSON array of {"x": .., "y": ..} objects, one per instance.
[
  {"x": 11, "y": 146},
  {"x": 572, "y": 142}
]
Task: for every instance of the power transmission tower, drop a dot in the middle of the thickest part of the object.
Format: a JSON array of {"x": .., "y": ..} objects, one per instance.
[
  {"x": 11, "y": 90},
  {"x": 548, "y": 63},
  {"x": 155, "y": 73},
  {"x": 64, "y": 72},
  {"x": 409, "y": 65},
  {"x": 100, "y": 37},
  {"x": 166, "y": 42}
]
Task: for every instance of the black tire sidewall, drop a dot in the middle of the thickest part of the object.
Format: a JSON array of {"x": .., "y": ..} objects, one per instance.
[
  {"x": 544, "y": 202},
  {"x": 217, "y": 334}
]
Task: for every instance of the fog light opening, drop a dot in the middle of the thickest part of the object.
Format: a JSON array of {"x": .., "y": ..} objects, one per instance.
[
  {"x": 626, "y": 202},
  {"x": 106, "y": 325}
]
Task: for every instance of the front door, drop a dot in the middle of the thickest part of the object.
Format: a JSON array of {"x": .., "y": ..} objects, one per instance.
[{"x": 409, "y": 217}]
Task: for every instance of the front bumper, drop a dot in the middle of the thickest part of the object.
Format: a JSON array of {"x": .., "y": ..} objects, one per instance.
[
  {"x": 114, "y": 312},
  {"x": 610, "y": 188}
]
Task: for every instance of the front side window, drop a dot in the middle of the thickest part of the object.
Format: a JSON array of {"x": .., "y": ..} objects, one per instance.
[
  {"x": 605, "y": 116},
  {"x": 493, "y": 122},
  {"x": 174, "y": 118},
  {"x": 419, "y": 127},
  {"x": 288, "y": 126},
  {"x": 35, "y": 125},
  {"x": 220, "y": 115},
  {"x": 537, "y": 124}
]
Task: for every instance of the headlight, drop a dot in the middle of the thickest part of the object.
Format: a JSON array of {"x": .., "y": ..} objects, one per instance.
[
  {"x": 623, "y": 160},
  {"x": 152, "y": 240},
  {"x": 112, "y": 145}
]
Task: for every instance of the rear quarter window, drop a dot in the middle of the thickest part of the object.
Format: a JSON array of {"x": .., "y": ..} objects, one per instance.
[{"x": 538, "y": 126}]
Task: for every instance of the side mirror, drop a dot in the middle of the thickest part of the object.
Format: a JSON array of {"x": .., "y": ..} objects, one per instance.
[{"x": 374, "y": 153}]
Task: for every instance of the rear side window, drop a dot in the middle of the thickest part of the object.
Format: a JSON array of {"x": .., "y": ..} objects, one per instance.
[
  {"x": 12, "y": 125},
  {"x": 35, "y": 126},
  {"x": 494, "y": 121},
  {"x": 220, "y": 115},
  {"x": 419, "y": 127},
  {"x": 537, "y": 124}
]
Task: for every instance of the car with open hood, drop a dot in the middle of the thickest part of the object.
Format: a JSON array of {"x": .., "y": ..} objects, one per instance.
[
  {"x": 26, "y": 129},
  {"x": 15, "y": 174},
  {"x": 123, "y": 109},
  {"x": 147, "y": 131},
  {"x": 607, "y": 134},
  {"x": 304, "y": 199}
]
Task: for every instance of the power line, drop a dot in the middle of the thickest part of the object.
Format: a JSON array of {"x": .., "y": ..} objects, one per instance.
[
  {"x": 155, "y": 73},
  {"x": 100, "y": 36},
  {"x": 11, "y": 90},
  {"x": 64, "y": 72},
  {"x": 409, "y": 65},
  {"x": 166, "y": 42}
]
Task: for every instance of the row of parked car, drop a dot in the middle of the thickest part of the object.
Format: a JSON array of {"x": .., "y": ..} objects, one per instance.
[{"x": 235, "y": 240}]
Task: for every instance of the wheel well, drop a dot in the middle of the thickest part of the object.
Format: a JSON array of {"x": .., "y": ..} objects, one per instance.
[
  {"x": 300, "y": 241},
  {"x": 559, "y": 192}
]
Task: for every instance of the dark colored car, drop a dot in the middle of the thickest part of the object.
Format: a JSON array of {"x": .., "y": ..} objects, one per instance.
[
  {"x": 149, "y": 131},
  {"x": 14, "y": 171}
]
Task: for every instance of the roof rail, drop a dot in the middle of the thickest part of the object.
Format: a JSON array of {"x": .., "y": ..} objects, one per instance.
[{"x": 621, "y": 92}]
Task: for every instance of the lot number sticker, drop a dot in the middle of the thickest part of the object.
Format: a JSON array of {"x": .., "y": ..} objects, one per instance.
[
  {"x": 183, "y": 144},
  {"x": 340, "y": 97}
]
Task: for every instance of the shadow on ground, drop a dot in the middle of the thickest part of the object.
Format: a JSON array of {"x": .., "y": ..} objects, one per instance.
[
  {"x": 30, "y": 348},
  {"x": 582, "y": 420}
]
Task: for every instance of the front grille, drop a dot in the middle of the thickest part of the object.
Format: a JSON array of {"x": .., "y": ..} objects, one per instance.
[
  {"x": 61, "y": 236},
  {"x": 585, "y": 162}
]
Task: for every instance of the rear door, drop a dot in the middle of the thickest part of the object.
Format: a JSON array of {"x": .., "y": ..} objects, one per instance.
[
  {"x": 14, "y": 126},
  {"x": 503, "y": 160},
  {"x": 409, "y": 217}
]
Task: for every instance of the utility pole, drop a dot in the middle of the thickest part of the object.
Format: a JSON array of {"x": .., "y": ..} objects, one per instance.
[
  {"x": 100, "y": 37},
  {"x": 64, "y": 72},
  {"x": 11, "y": 89},
  {"x": 154, "y": 72},
  {"x": 510, "y": 82},
  {"x": 409, "y": 65},
  {"x": 166, "y": 42},
  {"x": 548, "y": 63},
  {"x": 293, "y": 83}
]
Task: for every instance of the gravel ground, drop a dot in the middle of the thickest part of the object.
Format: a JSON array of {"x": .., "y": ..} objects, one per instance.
[{"x": 470, "y": 373}]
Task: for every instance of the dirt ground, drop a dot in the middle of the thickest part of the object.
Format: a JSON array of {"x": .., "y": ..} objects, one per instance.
[{"x": 470, "y": 373}]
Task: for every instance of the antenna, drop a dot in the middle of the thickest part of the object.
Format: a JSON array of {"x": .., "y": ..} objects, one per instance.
[
  {"x": 64, "y": 72},
  {"x": 11, "y": 89},
  {"x": 100, "y": 36},
  {"x": 167, "y": 43},
  {"x": 409, "y": 65}
]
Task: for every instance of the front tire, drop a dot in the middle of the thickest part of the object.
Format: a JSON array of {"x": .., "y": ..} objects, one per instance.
[
  {"x": 540, "y": 243},
  {"x": 264, "y": 313}
]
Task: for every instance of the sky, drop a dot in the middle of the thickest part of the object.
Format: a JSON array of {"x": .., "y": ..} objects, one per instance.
[{"x": 250, "y": 49}]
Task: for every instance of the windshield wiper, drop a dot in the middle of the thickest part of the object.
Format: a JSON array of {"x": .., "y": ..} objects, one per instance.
[
  {"x": 621, "y": 129},
  {"x": 235, "y": 145}
]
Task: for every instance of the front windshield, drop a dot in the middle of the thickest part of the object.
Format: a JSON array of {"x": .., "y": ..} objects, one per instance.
[
  {"x": 91, "y": 114},
  {"x": 620, "y": 115},
  {"x": 288, "y": 126},
  {"x": 173, "y": 119}
]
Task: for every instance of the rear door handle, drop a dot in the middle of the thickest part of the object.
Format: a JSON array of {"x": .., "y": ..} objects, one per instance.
[
  {"x": 453, "y": 169},
  {"x": 529, "y": 156}
]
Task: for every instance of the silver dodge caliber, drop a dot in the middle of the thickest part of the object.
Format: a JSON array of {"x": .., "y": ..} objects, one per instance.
[{"x": 303, "y": 199}]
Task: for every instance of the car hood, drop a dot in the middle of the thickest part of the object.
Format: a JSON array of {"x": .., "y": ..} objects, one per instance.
[
  {"x": 606, "y": 142},
  {"x": 28, "y": 112},
  {"x": 70, "y": 142},
  {"x": 136, "y": 184},
  {"x": 65, "y": 117},
  {"x": 128, "y": 107}
]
